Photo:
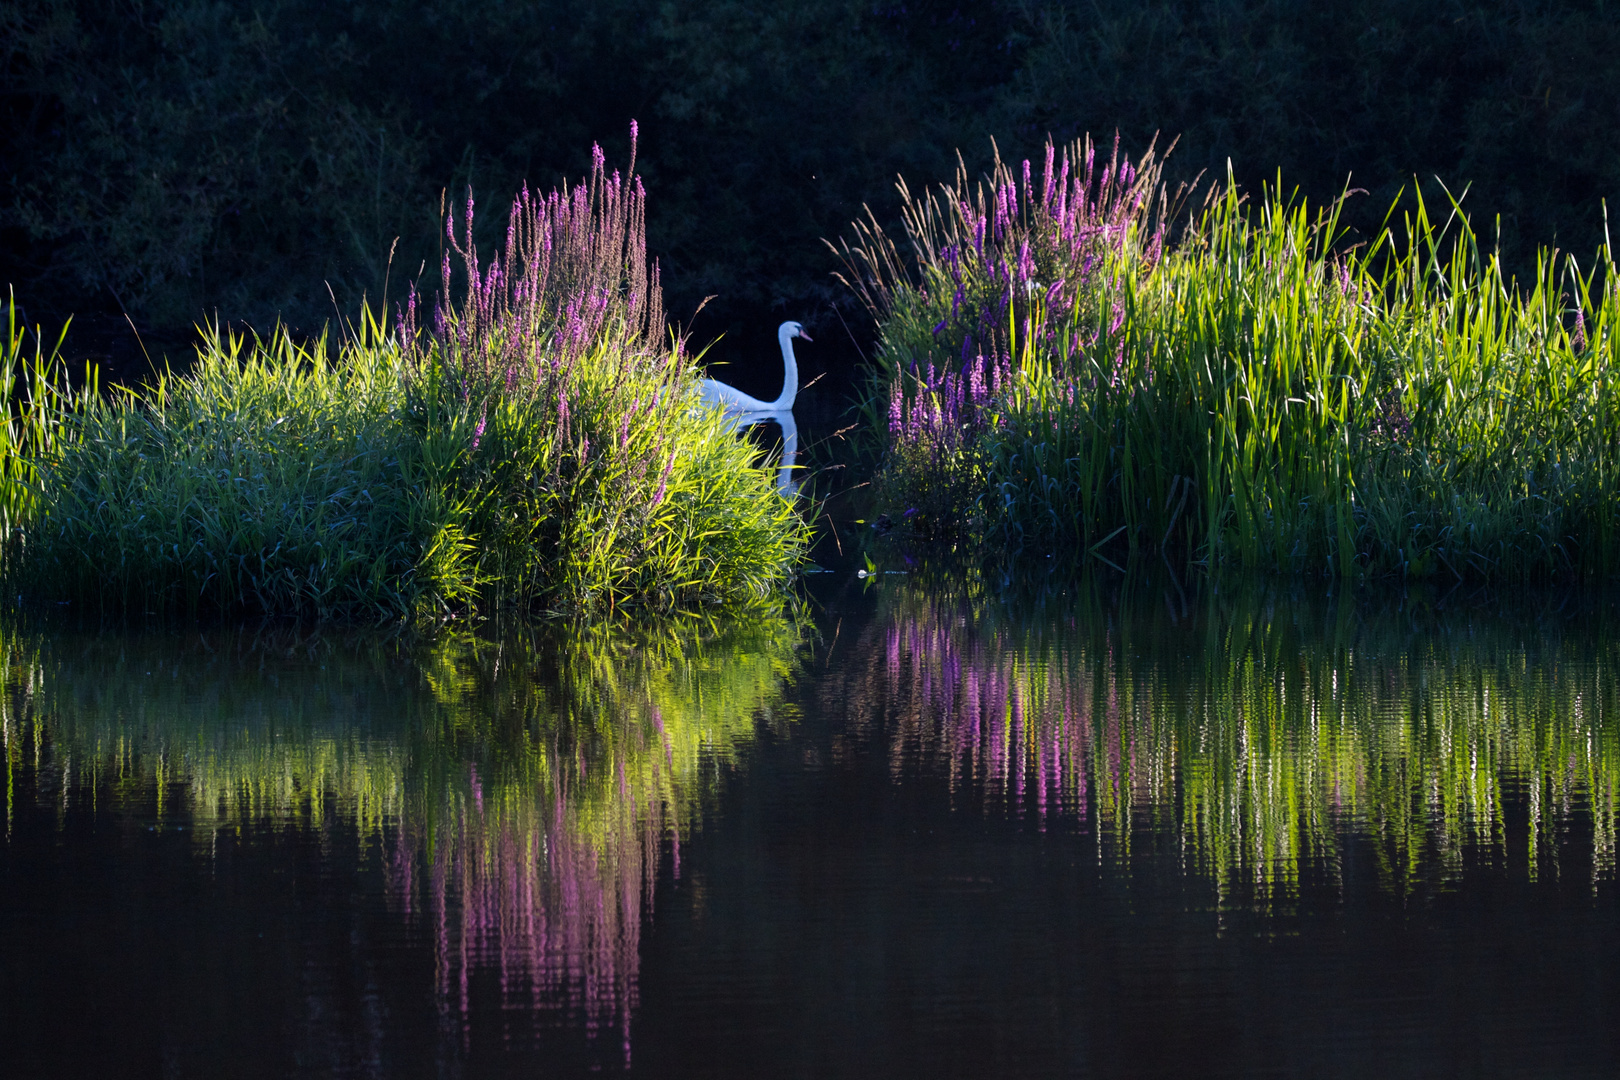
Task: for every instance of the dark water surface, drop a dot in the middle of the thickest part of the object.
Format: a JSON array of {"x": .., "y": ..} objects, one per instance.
[{"x": 911, "y": 831}]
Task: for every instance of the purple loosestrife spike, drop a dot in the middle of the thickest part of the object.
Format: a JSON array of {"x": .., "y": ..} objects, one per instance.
[
  {"x": 663, "y": 481},
  {"x": 940, "y": 327},
  {"x": 1577, "y": 340},
  {"x": 896, "y": 423},
  {"x": 478, "y": 434}
]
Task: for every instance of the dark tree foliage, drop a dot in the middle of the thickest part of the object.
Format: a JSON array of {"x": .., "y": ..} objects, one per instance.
[
  {"x": 1513, "y": 100},
  {"x": 177, "y": 157}
]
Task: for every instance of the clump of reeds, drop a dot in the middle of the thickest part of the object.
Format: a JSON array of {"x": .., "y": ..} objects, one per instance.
[
  {"x": 537, "y": 447},
  {"x": 1254, "y": 395},
  {"x": 561, "y": 422},
  {"x": 993, "y": 268},
  {"x": 35, "y": 393},
  {"x": 271, "y": 477}
]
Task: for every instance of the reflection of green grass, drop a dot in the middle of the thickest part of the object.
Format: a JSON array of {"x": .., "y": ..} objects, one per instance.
[
  {"x": 274, "y": 726},
  {"x": 1263, "y": 734},
  {"x": 520, "y": 787}
]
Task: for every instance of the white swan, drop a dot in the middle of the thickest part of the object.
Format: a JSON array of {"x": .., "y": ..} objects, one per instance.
[{"x": 733, "y": 400}]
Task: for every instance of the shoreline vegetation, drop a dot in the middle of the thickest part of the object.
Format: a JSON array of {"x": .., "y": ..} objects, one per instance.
[
  {"x": 537, "y": 447},
  {"x": 1075, "y": 362},
  {"x": 1063, "y": 374}
]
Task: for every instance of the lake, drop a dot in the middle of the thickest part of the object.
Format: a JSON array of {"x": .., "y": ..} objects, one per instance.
[{"x": 903, "y": 827}]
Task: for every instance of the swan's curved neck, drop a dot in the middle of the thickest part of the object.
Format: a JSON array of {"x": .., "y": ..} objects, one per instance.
[{"x": 790, "y": 371}]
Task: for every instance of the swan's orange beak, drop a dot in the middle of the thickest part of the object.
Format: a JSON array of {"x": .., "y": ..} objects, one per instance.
[{"x": 807, "y": 337}]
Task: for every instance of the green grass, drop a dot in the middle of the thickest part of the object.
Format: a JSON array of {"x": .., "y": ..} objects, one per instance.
[
  {"x": 540, "y": 449},
  {"x": 299, "y": 480},
  {"x": 1256, "y": 395}
]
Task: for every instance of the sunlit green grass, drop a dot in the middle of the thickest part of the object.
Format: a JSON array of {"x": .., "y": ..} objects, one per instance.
[
  {"x": 341, "y": 480},
  {"x": 530, "y": 440},
  {"x": 1256, "y": 394}
]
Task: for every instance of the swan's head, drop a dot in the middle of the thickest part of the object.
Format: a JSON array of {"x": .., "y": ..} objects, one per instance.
[{"x": 793, "y": 330}]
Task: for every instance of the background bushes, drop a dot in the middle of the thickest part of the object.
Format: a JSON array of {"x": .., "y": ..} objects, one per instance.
[{"x": 178, "y": 158}]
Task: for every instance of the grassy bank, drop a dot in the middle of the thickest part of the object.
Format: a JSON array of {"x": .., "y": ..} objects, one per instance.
[
  {"x": 537, "y": 446},
  {"x": 1063, "y": 373}
]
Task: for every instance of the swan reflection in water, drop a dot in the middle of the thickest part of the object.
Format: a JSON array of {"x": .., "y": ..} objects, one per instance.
[
  {"x": 785, "y": 484},
  {"x": 746, "y": 411}
]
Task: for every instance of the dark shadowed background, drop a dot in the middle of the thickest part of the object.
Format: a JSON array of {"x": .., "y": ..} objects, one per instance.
[{"x": 173, "y": 160}]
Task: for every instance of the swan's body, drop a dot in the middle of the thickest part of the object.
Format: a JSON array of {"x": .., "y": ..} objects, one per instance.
[{"x": 733, "y": 400}]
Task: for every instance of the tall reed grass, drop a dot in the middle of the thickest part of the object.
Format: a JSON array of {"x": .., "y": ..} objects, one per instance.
[
  {"x": 1059, "y": 378},
  {"x": 537, "y": 447}
]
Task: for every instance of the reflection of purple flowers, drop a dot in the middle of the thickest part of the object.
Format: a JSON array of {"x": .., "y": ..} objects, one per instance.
[
  {"x": 1247, "y": 757},
  {"x": 546, "y": 892},
  {"x": 1025, "y": 740}
]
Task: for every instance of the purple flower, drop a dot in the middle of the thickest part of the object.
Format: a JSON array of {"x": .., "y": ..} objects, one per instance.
[{"x": 658, "y": 496}]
